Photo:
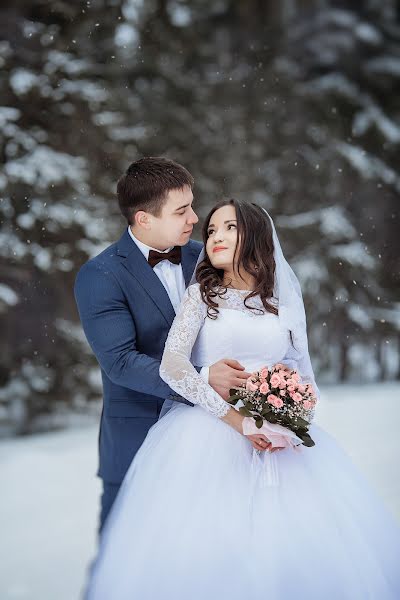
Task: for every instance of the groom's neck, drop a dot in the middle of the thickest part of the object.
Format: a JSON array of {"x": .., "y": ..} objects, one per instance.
[{"x": 147, "y": 239}]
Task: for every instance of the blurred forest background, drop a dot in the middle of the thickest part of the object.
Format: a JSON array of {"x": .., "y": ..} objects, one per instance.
[{"x": 293, "y": 104}]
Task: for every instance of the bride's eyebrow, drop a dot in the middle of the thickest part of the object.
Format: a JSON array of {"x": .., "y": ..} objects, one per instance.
[{"x": 225, "y": 222}]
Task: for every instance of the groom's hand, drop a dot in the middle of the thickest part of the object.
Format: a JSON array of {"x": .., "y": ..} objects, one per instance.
[{"x": 226, "y": 374}]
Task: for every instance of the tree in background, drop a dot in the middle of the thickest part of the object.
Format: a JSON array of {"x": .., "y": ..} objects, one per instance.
[
  {"x": 290, "y": 104},
  {"x": 55, "y": 206}
]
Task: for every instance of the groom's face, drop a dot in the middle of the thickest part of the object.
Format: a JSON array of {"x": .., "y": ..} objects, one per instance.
[{"x": 175, "y": 224}]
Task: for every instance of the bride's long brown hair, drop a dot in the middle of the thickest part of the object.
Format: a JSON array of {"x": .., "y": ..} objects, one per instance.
[{"x": 255, "y": 255}]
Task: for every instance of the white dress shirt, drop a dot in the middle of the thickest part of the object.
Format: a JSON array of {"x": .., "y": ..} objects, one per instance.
[{"x": 171, "y": 276}]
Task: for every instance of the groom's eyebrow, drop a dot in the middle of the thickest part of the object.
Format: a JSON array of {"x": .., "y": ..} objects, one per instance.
[{"x": 183, "y": 206}]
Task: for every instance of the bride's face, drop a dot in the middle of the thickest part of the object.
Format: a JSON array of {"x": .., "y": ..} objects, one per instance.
[{"x": 222, "y": 238}]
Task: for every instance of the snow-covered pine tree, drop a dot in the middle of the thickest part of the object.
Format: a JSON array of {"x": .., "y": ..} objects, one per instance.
[
  {"x": 56, "y": 190},
  {"x": 340, "y": 282},
  {"x": 292, "y": 105},
  {"x": 345, "y": 64}
]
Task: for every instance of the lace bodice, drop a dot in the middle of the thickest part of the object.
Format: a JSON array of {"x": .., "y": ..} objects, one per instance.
[{"x": 254, "y": 338}]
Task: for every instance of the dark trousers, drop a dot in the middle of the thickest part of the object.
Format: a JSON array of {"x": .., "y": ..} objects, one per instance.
[{"x": 110, "y": 491}]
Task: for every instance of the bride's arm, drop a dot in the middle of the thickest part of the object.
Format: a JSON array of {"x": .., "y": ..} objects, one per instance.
[{"x": 178, "y": 372}]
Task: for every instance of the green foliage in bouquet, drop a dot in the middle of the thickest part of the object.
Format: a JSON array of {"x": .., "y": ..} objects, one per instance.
[{"x": 278, "y": 396}]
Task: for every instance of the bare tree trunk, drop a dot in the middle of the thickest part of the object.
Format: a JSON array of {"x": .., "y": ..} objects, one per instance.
[
  {"x": 382, "y": 369},
  {"x": 344, "y": 366}
]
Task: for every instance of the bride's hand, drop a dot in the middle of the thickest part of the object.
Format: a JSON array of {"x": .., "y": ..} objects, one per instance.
[
  {"x": 279, "y": 437},
  {"x": 235, "y": 420},
  {"x": 259, "y": 441}
]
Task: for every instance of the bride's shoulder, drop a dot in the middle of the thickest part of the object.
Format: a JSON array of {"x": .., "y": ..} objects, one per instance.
[
  {"x": 193, "y": 288},
  {"x": 193, "y": 291},
  {"x": 193, "y": 301}
]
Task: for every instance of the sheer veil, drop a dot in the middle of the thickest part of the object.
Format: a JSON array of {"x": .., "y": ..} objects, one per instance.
[{"x": 292, "y": 314}]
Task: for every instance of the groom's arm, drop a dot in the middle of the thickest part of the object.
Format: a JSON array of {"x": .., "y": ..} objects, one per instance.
[{"x": 110, "y": 330}]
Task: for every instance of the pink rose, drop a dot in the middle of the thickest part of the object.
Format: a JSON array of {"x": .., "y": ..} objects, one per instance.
[
  {"x": 292, "y": 381},
  {"x": 307, "y": 404},
  {"x": 301, "y": 388},
  {"x": 275, "y": 380},
  {"x": 264, "y": 373},
  {"x": 278, "y": 403},
  {"x": 291, "y": 388},
  {"x": 296, "y": 377},
  {"x": 264, "y": 388},
  {"x": 279, "y": 366},
  {"x": 296, "y": 397},
  {"x": 272, "y": 399},
  {"x": 251, "y": 386}
]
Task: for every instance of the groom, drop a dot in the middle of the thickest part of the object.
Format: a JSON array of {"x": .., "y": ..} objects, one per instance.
[{"x": 127, "y": 298}]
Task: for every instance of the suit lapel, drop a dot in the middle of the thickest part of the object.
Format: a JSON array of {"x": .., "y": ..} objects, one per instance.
[{"x": 137, "y": 265}]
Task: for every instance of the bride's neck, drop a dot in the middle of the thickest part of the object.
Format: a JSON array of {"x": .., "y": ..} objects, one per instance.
[{"x": 239, "y": 281}]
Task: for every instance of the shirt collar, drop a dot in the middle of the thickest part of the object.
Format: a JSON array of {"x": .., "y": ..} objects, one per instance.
[{"x": 144, "y": 248}]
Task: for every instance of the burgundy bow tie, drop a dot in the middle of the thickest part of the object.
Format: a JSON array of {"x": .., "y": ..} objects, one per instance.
[{"x": 174, "y": 256}]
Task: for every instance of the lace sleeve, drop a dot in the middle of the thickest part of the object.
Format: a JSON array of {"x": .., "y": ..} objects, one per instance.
[{"x": 176, "y": 369}]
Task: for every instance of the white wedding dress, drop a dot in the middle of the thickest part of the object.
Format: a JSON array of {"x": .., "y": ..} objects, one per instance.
[{"x": 196, "y": 517}]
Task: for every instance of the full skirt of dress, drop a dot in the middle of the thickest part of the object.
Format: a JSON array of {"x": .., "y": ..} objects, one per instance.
[{"x": 197, "y": 518}]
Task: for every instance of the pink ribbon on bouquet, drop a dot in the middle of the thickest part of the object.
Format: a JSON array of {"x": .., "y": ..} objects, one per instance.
[{"x": 265, "y": 469}]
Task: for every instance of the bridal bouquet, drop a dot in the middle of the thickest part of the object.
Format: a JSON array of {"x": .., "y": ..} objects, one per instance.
[{"x": 279, "y": 403}]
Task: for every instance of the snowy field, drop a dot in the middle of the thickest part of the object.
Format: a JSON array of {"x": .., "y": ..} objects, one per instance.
[{"x": 49, "y": 494}]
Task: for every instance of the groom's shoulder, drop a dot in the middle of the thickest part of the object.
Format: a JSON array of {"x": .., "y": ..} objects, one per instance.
[
  {"x": 101, "y": 260},
  {"x": 103, "y": 266}
]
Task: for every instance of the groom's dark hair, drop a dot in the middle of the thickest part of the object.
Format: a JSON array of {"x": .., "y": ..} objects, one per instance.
[{"x": 146, "y": 184}]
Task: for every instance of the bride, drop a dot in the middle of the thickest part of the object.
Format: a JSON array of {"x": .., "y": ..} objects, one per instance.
[{"x": 201, "y": 515}]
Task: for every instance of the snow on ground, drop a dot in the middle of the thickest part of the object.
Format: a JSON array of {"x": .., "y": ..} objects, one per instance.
[{"x": 50, "y": 496}]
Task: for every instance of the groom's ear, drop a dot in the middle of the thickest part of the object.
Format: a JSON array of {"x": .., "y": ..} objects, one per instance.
[{"x": 142, "y": 219}]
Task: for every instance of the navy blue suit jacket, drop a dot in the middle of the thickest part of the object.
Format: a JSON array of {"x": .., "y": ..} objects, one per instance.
[{"x": 126, "y": 315}]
